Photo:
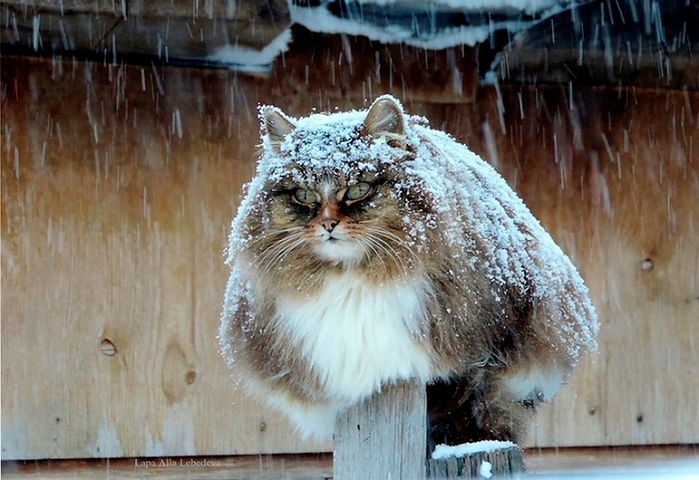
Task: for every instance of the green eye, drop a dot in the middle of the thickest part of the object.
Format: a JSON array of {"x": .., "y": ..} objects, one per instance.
[
  {"x": 357, "y": 191},
  {"x": 305, "y": 196}
]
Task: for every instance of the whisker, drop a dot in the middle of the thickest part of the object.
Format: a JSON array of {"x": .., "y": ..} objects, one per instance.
[
  {"x": 366, "y": 244},
  {"x": 265, "y": 236},
  {"x": 390, "y": 236},
  {"x": 276, "y": 248},
  {"x": 387, "y": 252},
  {"x": 274, "y": 245},
  {"x": 282, "y": 255},
  {"x": 387, "y": 248}
]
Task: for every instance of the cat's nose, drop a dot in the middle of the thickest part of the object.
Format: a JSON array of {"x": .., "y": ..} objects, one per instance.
[{"x": 329, "y": 224}]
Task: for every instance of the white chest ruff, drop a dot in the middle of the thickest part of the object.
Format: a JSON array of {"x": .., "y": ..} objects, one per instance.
[{"x": 356, "y": 336}]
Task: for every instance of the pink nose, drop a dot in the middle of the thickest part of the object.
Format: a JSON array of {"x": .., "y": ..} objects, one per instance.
[{"x": 329, "y": 224}]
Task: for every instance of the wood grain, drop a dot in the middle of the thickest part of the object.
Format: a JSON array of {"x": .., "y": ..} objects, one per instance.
[
  {"x": 505, "y": 462},
  {"x": 160, "y": 30},
  {"x": 118, "y": 187},
  {"x": 329, "y": 69},
  {"x": 384, "y": 436},
  {"x": 627, "y": 462},
  {"x": 116, "y": 207},
  {"x": 614, "y": 176}
]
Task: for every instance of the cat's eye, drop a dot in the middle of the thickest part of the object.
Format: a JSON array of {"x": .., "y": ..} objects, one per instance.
[
  {"x": 357, "y": 191},
  {"x": 305, "y": 196}
]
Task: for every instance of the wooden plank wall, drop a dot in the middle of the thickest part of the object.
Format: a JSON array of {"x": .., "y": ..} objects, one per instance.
[{"x": 118, "y": 187}]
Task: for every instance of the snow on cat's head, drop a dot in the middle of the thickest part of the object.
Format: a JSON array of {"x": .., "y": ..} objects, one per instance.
[
  {"x": 343, "y": 143},
  {"x": 330, "y": 189}
]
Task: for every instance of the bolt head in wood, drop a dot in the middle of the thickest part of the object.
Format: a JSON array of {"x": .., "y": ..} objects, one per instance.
[{"x": 108, "y": 348}]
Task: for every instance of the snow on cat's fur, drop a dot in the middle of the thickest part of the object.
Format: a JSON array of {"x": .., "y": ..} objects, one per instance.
[{"x": 370, "y": 249}]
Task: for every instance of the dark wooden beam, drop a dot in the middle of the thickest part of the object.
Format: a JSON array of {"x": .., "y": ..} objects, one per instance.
[
  {"x": 644, "y": 44},
  {"x": 161, "y": 29},
  {"x": 354, "y": 67}
]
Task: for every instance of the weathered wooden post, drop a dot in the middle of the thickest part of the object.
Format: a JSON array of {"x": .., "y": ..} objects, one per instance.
[
  {"x": 383, "y": 437},
  {"x": 488, "y": 459}
]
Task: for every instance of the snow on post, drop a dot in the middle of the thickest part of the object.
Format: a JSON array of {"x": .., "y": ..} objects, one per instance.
[{"x": 484, "y": 459}]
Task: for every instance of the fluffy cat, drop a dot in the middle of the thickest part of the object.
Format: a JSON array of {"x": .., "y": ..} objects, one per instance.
[{"x": 372, "y": 249}]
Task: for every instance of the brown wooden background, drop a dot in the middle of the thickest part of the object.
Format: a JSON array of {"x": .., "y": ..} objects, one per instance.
[{"x": 119, "y": 184}]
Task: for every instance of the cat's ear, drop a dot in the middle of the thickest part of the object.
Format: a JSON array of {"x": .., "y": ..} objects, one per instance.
[
  {"x": 276, "y": 125},
  {"x": 386, "y": 119}
]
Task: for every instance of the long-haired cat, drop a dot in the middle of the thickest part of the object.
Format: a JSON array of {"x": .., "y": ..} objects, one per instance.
[{"x": 372, "y": 249}]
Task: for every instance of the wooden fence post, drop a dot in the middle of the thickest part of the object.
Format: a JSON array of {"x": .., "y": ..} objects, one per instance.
[
  {"x": 483, "y": 461},
  {"x": 384, "y": 437}
]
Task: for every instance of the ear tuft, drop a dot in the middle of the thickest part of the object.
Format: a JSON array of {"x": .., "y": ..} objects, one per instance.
[
  {"x": 386, "y": 119},
  {"x": 276, "y": 125}
]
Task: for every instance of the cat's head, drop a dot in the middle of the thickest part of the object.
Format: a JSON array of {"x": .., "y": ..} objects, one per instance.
[{"x": 334, "y": 192}]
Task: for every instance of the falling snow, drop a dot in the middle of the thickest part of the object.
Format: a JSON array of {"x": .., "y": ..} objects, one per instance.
[
  {"x": 467, "y": 193},
  {"x": 389, "y": 30}
]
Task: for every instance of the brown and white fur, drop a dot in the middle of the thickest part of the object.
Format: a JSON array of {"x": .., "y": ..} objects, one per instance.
[{"x": 372, "y": 249}]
